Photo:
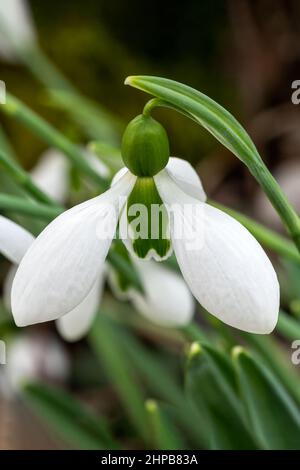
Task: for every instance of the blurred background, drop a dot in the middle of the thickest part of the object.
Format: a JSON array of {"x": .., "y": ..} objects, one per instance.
[{"x": 245, "y": 55}]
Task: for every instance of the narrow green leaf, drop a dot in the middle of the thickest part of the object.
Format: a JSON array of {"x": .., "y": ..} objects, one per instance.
[
  {"x": 209, "y": 382},
  {"x": 18, "y": 205},
  {"x": 23, "y": 179},
  {"x": 162, "y": 384},
  {"x": 5, "y": 145},
  {"x": 15, "y": 108},
  {"x": 106, "y": 340},
  {"x": 162, "y": 433},
  {"x": 276, "y": 357},
  {"x": 288, "y": 326},
  {"x": 69, "y": 418},
  {"x": 273, "y": 415}
]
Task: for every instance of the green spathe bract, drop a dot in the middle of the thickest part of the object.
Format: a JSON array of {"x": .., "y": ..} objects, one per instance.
[
  {"x": 145, "y": 146},
  {"x": 148, "y": 219}
]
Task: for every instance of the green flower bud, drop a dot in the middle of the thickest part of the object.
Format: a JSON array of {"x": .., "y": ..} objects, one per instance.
[{"x": 145, "y": 146}]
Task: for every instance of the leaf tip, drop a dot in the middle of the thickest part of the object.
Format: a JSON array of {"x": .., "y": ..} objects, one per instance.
[
  {"x": 151, "y": 406},
  {"x": 236, "y": 352},
  {"x": 194, "y": 350}
]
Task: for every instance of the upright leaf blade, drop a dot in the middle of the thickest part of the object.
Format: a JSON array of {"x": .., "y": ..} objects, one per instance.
[
  {"x": 274, "y": 417},
  {"x": 106, "y": 341},
  {"x": 162, "y": 432},
  {"x": 209, "y": 384}
]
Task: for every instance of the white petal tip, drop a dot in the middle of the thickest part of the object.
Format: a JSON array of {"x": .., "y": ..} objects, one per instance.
[
  {"x": 258, "y": 325},
  {"x": 69, "y": 337},
  {"x": 268, "y": 327}
]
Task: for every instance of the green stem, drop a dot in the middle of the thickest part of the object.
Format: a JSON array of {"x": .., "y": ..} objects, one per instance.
[
  {"x": 150, "y": 105},
  {"x": 22, "y": 206},
  {"x": 53, "y": 137},
  {"x": 21, "y": 177},
  {"x": 160, "y": 103}
]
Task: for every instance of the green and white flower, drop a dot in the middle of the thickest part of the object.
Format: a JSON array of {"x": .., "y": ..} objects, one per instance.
[{"x": 224, "y": 266}]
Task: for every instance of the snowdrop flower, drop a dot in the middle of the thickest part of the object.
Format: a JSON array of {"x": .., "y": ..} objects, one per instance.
[
  {"x": 175, "y": 307},
  {"x": 224, "y": 266},
  {"x": 32, "y": 357},
  {"x": 16, "y": 28}
]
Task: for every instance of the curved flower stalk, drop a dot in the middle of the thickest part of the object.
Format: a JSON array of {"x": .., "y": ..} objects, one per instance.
[
  {"x": 16, "y": 28},
  {"x": 224, "y": 266},
  {"x": 32, "y": 357}
]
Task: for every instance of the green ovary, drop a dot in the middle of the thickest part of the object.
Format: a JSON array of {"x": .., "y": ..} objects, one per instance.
[{"x": 148, "y": 220}]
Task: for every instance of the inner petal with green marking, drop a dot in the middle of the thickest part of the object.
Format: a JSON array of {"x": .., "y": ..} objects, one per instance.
[{"x": 148, "y": 221}]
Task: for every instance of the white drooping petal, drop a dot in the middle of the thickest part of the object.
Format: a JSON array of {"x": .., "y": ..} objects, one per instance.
[
  {"x": 62, "y": 265},
  {"x": 186, "y": 177},
  {"x": 7, "y": 286},
  {"x": 123, "y": 225},
  {"x": 171, "y": 306},
  {"x": 51, "y": 175},
  {"x": 14, "y": 240},
  {"x": 76, "y": 324},
  {"x": 167, "y": 300},
  {"x": 227, "y": 271},
  {"x": 16, "y": 27}
]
